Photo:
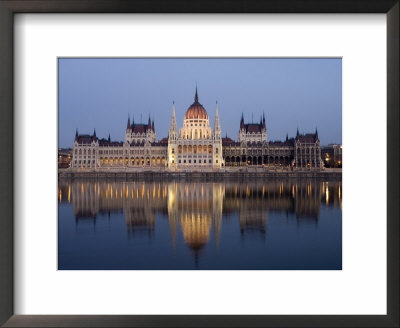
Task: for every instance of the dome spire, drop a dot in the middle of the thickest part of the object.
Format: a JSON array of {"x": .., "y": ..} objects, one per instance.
[{"x": 196, "y": 97}]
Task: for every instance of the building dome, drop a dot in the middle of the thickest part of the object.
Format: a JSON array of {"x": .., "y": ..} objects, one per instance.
[{"x": 196, "y": 110}]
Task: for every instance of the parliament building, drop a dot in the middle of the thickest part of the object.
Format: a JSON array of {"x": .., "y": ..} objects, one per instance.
[{"x": 196, "y": 146}]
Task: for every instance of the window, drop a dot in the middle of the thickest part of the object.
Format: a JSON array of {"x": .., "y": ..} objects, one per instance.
[
  {"x": 179, "y": 161},
  {"x": 216, "y": 150},
  {"x": 184, "y": 161},
  {"x": 209, "y": 161},
  {"x": 190, "y": 161},
  {"x": 194, "y": 161},
  {"x": 172, "y": 161}
]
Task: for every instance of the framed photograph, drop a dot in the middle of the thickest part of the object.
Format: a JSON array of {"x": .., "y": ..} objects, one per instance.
[{"x": 199, "y": 164}]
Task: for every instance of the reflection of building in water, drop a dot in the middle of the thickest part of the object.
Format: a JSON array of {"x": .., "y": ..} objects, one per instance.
[
  {"x": 331, "y": 193},
  {"x": 196, "y": 207},
  {"x": 138, "y": 200}
]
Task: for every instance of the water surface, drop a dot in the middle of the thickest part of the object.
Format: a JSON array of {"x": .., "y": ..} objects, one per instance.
[{"x": 274, "y": 224}]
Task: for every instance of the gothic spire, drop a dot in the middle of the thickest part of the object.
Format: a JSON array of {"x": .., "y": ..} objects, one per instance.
[
  {"x": 242, "y": 122},
  {"x": 76, "y": 133},
  {"x": 316, "y": 132},
  {"x": 173, "y": 131},
  {"x": 263, "y": 121},
  {"x": 109, "y": 138},
  {"x": 196, "y": 97},
  {"x": 149, "y": 122},
  {"x": 94, "y": 133},
  {"x": 128, "y": 125},
  {"x": 297, "y": 133},
  {"x": 217, "y": 126}
]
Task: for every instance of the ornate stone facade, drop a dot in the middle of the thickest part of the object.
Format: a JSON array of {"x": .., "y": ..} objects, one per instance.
[
  {"x": 196, "y": 146},
  {"x": 253, "y": 149},
  {"x": 139, "y": 150}
]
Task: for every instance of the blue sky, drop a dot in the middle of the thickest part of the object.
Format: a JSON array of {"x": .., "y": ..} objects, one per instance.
[{"x": 100, "y": 93}]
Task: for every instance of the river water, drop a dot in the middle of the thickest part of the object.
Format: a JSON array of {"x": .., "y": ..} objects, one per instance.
[{"x": 172, "y": 225}]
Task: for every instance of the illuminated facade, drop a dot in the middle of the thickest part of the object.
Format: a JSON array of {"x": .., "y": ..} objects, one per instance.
[
  {"x": 139, "y": 150},
  {"x": 303, "y": 151},
  {"x": 196, "y": 146}
]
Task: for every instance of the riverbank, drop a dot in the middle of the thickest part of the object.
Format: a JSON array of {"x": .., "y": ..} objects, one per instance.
[{"x": 244, "y": 173}]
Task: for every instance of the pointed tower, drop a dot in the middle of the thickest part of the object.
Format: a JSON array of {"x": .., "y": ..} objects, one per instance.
[
  {"x": 217, "y": 126},
  {"x": 94, "y": 133},
  {"x": 264, "y": 129},
  {"x": 316, "y": 133},
  {"x": 297, "y": 133},
  {"x": 172, "y": 140},
  {"x": 196, "y": 97},
  {"x": 109, "y": 138},
  {"x": 128, "y": 132},
  {"x": 76, "y": 134},
  {"x": 173, "y": 130},
  {"x": 217, "y": 143},
  {"x": 149, "y": 123}
]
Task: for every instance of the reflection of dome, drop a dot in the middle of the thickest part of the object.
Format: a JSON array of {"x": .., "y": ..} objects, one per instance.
[
  {"x": 196, "y": 230},
  {"x": 196, "y": 110}
]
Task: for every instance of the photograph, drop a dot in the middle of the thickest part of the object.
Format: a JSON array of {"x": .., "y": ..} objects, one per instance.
[{"x": 199, "y": 163}]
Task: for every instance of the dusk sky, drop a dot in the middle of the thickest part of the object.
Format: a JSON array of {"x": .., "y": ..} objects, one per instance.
[{"x": 100, "y": 93}]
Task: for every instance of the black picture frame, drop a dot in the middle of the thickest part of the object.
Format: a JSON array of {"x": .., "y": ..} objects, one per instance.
[{"x": 10, "y": 7}]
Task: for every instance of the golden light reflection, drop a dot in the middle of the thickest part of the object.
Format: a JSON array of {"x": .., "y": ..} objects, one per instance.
[
  {"x": 196, "y": 209},
  {"x": 327, "y": 195}
]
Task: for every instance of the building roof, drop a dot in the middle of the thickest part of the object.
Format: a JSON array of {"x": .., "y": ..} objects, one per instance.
[
  {"x": 140, "y": 128},
  {"x": 253, "y": 128},
  {"x": 85, "y": 139},
  {"x": 227, "y": 141},
  {"x": 196, "y": 110},
  {"x": 278, "y": 143},
  {"x": 307, "y": 138},
  {"x": 106, "y": 142}
]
